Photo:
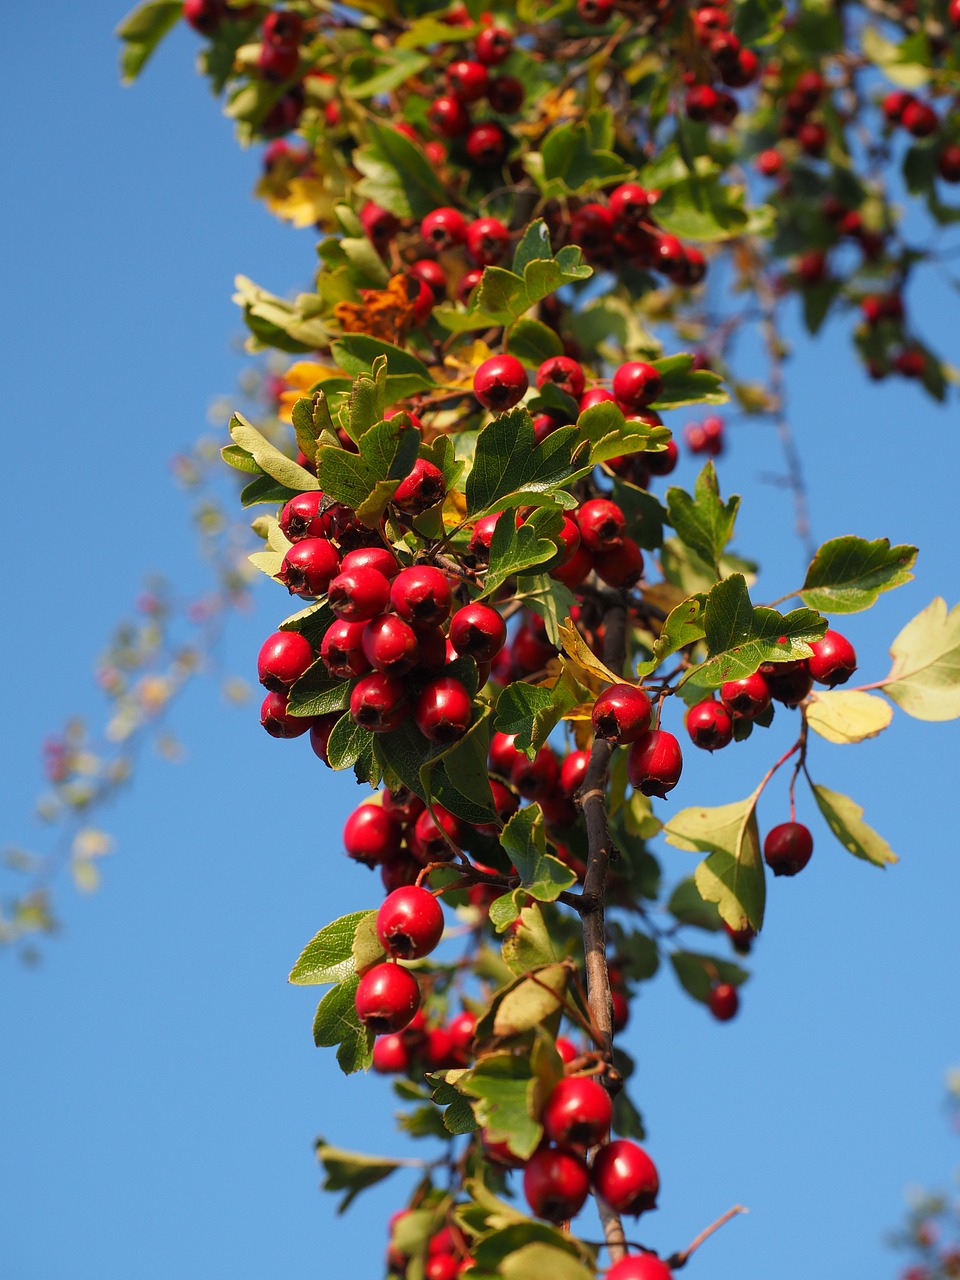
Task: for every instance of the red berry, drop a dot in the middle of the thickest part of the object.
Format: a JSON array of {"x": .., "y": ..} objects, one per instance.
[
  {"x": 280, "y": 723},
  {"x": 444, "y": 228},
  {"x": 342, "y": 649},
  {"x": 637, "y": 384},
  {"x": 403, "y": 805},
  {"x": 320, "y": 732},
  {"x": 629, "y": 202},
  {"x": 380, "y": 225},
  {"x": 701, "y": 102},
  {"x": 421, "y": 595},
  {"x": 487, "y": 144},
  {"x": 592, "y": 228},
  {"x": 724, "y": 1001},
  {"x": 487, "y": 241},
  {"x": 503, "y": 754},
  {"x": 602, "y": 524},
  {"x": 639, "y": 1266},
  {"x": 578, "y": 1112},
  {"x": 555, "y": 1183},
  {"x": 788, "y": 682},
  {"x": 424, "y": 487},
  {"x": 596, "y": 12},
  {"x": 834, "y": 659},
  {"x": 378, "y": 558},
  {"x": 895, "y": 103},
  {"x": 626, "y": 1177},
  {"x": 500, "y": 383},
  {"x": 448, "y": 116},
  {"x": 654, "y": 763},
  {"x": 948, "y": 163},
  {"x": 359, "y": 594},
  {"x": 432, "y": 834},
  {"x": 283, "y": 26},
  {"x": 620, "y": 566},
  {"x": 461, "y": 1030},
  {"x": 283, "y": 659},
  {"x": 278, "y": 62},
  {"x": 920, "y": 119},
  {"x": 409, "y": 923},
  {"x": 787, "y": 848},
  {"x": 566, "y": 1049},
  {"x": 747, "y": 698},
  {"x": 371, "y": 835},
  {"x": 390, "y": 644},
  {"x": 536, "y": 778},
  {"x": 205, "y": 15},
  {"x": 300, "y": 518},
  {"x": 621, "y": 713},
  {"x": 387, "y": 998},
  {"x": 573, "y": 771},
  {"x": 663, "y": 463},
  {"x": 769, "y": 162},
  {"x": 443, "y": 710},
  {"x": 378, "y": 702},
  {"x": 565, "y": 373},
  {"x": 467, "y": 80},
  {"x": 505, "y": 94},
  {"x": 596, "y": 395},
  {"x": 478, "y": 631},
  {"x": 709, "y": 725},
  {"x": 494, "y": 45},
  {"x": 309, "y": 566},
  {"x": 391, "y": 1055}
]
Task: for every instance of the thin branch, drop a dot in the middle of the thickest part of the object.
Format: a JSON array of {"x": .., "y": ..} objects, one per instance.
[{"x": 678, "y": 1260}]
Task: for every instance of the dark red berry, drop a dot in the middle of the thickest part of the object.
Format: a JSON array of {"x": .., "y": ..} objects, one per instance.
[
  {"x": 834, "y": 659},
  {"x": 444, "y": 228},
  {"x": 505, "y": 94},
  {"x": 279, "y": 722},
  {"x": 390, "y": 644},
  {"x": 500, "y": 382},
  {"x": 724, "y": 1001},
  {"x": 387, "y": 998},
  {"x": 309, "y": 566},
  {"x": 788, "y": 682},
  {"x": 424, "y": 487},
  {"x": 787, "y": 848},
  {"x": 920, "y": 119},
  {"x": 467, "y": 80},
  {"x": 278, "y": 62},
  {"x": 478, "y": 631},
  {"x": 637, "y": 384},
  {"x": 602, "y": 524},
  {"x": 371, "y": 835},
  {"x": 422, "y": 595},
  {"x": 342, "y": 649},
  {"x": 662, "y": 463},
  {"x": 320, "y": 732},
  {"x": 555, "y": 1183},
  {"x": 621, "y": 713},
  {"x": 432, "y": 835},
  {"x": 380, "y": 225},
  {"x": 283, "y": 26},
  {"x": 494, "y": 45},
  {"x": 359, "y": 594},
  {"x": 378, "y": 702},
  {"x": 565, "y": 373},
  {"x": 443, "y": 710},
  {"x": 747, "y": 698},
  {"x": 301, "y": 518},
  {"x": 654, "y": 763},
  {"x": 620, "y": 566},
  {"x": 487, "y": 144},
  {"x": 283, "y": 659},
  {"x": 578, "y": 1112},
  {"x": 709, "y": 725},
  {"x": 409, "y": 923},
  {"x": 487, "y": 241},
  {"x": 626, "y": 1177},
  {"x": 536, "y": 778}
]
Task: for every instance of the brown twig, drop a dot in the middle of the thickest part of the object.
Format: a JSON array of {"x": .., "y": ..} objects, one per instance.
[{"x": 677, "y": 1260}]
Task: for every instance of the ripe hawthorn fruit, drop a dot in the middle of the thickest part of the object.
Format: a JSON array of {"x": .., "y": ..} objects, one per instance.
[
  {"x": 654, "y": 763},
  {"x": 578, "y": 1112},
  {"x": 387, "y": 998},
  {"x": 500, "y": 382},
  {"x": 787, "y": 848},
  {"x": 443, "y": 710},
  {"x": 282, "y": 660},
  {"x": 478, "y": 631},
  {"x": 621, "y": 713},
  {"x": 409, "y": 923},
  {"x": 724, "y": 1001},
  {"x": 834, "y": 659},
  {"x": 639, "y": 1266},
  {"x": 556, "y": 1183},
  {"x": 710, "y": 725},
  {"x": 371, "y": 835},
  {"x": 626, "y": 1177},
  {"x": 277, "y": 721}
]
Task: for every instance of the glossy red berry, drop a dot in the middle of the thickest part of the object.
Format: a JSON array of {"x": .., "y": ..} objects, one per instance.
[
  {"x": 556, "y": 1184},
  {"x": 788, "y": 682},
  {"x": 639, "y": 1266},
  {"x": 621, "y": 713},
  {"x": 278, "y": 721},
  {"x": 444, "y": 228},
  {"x": 448, "y": 116},
  {"x": 378, "y": 702},
  {"x": 424, "y": 487},
  {"x": 536, "y": 778},
  {"x": 701, "y": 102},
  {"x": 602, "y": 524},
  {"x": 487, "y": 241},
  {"x": 503, "y": 754},
  {"x": 320, "y": 732},
  {"x": 342, "y": 649},
  {"x": 637, "y": 384},
  {"x": 626, "y": 1177},
  {"x": 500, "y": 383},
  {"x": 573, "y": 771},
  {"x": 283, "y": 26},
  {"x": 654, "y": 763},
  {"x": 380, "y": 225},
  {"x": 422, "y": 595},
  {"x": 461, "y": 1029},
  {"x": 664, "y": 462},
  {"x": 506, "y": 94},
  {"x": 709, "y": 725},
  {"x": 391, "y": 1056},
  {"x": 494, "y": 45},
  {"x": 390, "y": 644},
  {"x": 577, "y": 1113},
  {"x": 387, "y": 998},
  {"x": 371, "y": 835},
  {"x": 432, "y": 834},
  {"x": 565, "y": 373},
  {"x": 724, "y": 1001},
  {"x": 467, "y": 80},
  {"x": 409, "y": 923},
  {"x": 358, "y": 594},
  {"x": 620, "y": 566},
  {"x": 747, "y": 698},
  {"x": 834, "y": 659},
  {"x": 920, "y": 119},
  {"x": 309, "y": 566},
  {"x": 443, "y": 710},
  {"x": 487, "y": 143},
  {"x": 283, "y": 659},
  {"x": 478, "y": 631},
  {"x": 301, "y": 517},
  {"x": 787, "y": 848}
]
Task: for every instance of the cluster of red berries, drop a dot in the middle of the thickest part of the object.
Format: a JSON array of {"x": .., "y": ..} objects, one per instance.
[
  {"x": 706, "y": 436},
  {"x": 736, "y": 66},
  {"x": 906, "y": 111}
]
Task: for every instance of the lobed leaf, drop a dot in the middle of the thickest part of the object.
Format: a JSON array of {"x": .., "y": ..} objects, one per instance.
[
  {"x": 924, "y": 680},
  {"x": 844, "y": 716},
  {"x": 328, "y": 956},
  {"x": 848, "y": 574}
]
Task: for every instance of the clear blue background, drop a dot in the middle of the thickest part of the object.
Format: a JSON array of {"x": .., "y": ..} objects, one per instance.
[{"x": 160, "y": 1087}]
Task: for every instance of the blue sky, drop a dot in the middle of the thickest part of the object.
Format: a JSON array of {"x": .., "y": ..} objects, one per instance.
[{"x": 161, "y": 1090}]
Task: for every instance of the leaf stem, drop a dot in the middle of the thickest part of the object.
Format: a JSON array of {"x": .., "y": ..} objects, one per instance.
[{"x": 677, "y": 1260}]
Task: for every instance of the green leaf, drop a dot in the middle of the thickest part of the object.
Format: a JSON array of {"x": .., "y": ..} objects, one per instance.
[
  {"x": 535, "y": 1261},
  {"x": 265, "y": 489},
  {"x": 758, "y": 21},
  {"x": 548, "y": 598},
  {"x": 645, "y": 513},
  {"x": 740, "y": 636},
  {"x": 505, "y": 1088},
  {"x": 348, "y": 1171},
  {"x": 848, "y": 574},
  {"x": 682, "y": 384},
  {"x": 269, "y": 458},
  {"x": 683, "y": 627},
  {"x": 142, "y": 30},
  {"x": 356, "y": 353},
  {"x": 311, "y": 417},
  {"x": 397, "y": 175},
  {"x": 328, "y": 956},
  {"x": 369, "y": 77},
  {"x": 317, "y": 693},
  {"x": 458, "y": 1117},
  {"x": 336, "y": 1023},
  {"x": 703, "y": 522},
  {"x": 574, "y": 165},
  {"x": 348, "y": 743},
  {"x": 688, "y": 906},
  {"x": 845, "y": 716},
  {"x": 698, "y": 973},
  {"x": 698, "y": 208},
  {"x": 924, "y": 680},
  {"x": 817, "y": 301},
  {"x": 508, "y": 466},
  {"x": 524, "y": 839},
  {"x": 513, "y": 549},
  {"x": 459, "y": 778},
  {"x": 492, "y": 1250},
  {"x": 366, "y": 481},
  {"x": 611, "y": 435},
  {"x": 844, "y": 818},
  {"x": 530, "y": 945},
  {"x": 732, "y": 876},
  {"x": 532, "y": 342}
]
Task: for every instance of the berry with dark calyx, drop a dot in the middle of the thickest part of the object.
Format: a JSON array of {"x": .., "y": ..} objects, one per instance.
[
  {"x": 378, "y": 702},
  {"x": 700, "y": 102},
  {"x": 487, "y": 241},
  {"x": 500, "y": 382},
  {"x": 278, "y": 721},
  {"x": 342, "y": 649},
  {"x": 555, "y": 1183},
  {"x": 654, "y": 763},
  {"x": 371, "y": 835},
  {"x": 301, "y": 518},
  {"x": 626, "y": 1177},
  {"x": 309, "y": 567},
  {"x": 444, "y": 228},
  {"x": 493, "y": 46},
  {"x": 478, "y": 631},
  {"x": 565, "y": 373},
  {"x": 487, "y": 144},
  {"x": 787, "y": 848},
  {"x": 430, "y": 273},
  {"x": 506, "y": 94},
  {"x": 448, "y": 116},
  {"x": 637, "y": 384},
  {"x": 592, "y": 228},
  {"x": 467, "y": 80},
  {"x": 205, "y": 16},
  {"x": 409, "y": 923},
  {"x": 283, "y": 659},
  {"x": 639, "y": 1266},
  {"x": 747, "y": 698},
  {"x": 283, "y": 26},
  {"x": 443, "y": 710},
  {"x": 391, "y": 1055},
  {"x": 788, "y": 682},
  {"x": 432, "y": 835},
  {"x": 390, "y": 644},
  {"x": 595, "y": 12},
  {"x": 538, "y": 777},
  {"x": 358, "y": 594},
  {"x": 621, "y": 713},
  {"x": 482, "y": 536},
  {"x": 380, "y": 225},
  {"x": 399, "y": 871},
  {"x": 629, "y": 202},
  {"x": 620, "y": 566},
  {"x": 421, "y": 595},
  {"x": 834, "y": 659},
  {"x": 602, "y": 524},
  {"x": 387, "y": 998},
  {"x": 710, "y": 725},
  {"x": 724, "y": 1001},
  {"x": 668, "y": 256},
  {"x": 577, "y": 1113},
  {"x": 664, "y": 462},
  {"x": 424, "y": 487}
]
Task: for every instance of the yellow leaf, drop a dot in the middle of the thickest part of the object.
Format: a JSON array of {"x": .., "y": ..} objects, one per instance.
[
  {"x": 302, "y": 201},
  {"x": 580, "y": 654},
  {"x": 848, "y": 716}
]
